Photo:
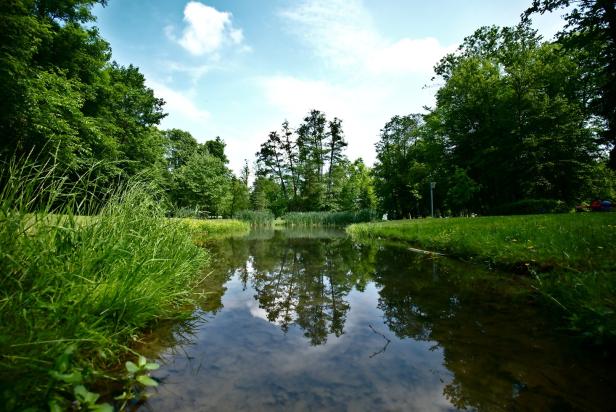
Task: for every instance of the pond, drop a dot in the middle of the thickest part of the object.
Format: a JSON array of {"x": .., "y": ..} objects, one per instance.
[{"x": 310, "y": 320}]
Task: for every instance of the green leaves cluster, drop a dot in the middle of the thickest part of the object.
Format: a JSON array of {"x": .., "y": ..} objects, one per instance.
[
  {"x": 511, "y": 122},
  {"x": 61, "y": 95}
]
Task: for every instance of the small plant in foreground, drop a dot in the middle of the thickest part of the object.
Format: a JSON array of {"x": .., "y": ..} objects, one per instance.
[
  {"x": 69, "y": 393},
  {"x": 137, "y": 379}
]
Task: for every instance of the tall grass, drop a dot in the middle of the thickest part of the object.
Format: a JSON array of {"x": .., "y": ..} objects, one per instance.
[
  {"x": 256, "y": 217},
  {"x": 570, "y": 256},
  {"x": 90, "y": 284},
  {"x": 202, "y": 229},
  {"x": 328, "y": 218}
]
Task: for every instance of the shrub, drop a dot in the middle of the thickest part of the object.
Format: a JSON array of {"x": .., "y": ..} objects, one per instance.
[{"x": 531, "y": 207}]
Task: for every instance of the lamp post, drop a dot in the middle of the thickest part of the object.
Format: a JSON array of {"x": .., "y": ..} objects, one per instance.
[{"x": 432, "y": 185}]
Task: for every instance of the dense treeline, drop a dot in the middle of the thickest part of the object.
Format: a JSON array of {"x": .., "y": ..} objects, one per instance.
[
  {"x": 519, "y": 124},
  {"x": 515, "y": 121},
  {"x": 63, "y": 100}
]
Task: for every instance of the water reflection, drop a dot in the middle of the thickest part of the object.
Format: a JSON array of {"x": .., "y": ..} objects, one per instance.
[{"x": 313, "y": 321}]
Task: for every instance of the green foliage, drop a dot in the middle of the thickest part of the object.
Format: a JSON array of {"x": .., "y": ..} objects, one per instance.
[
  {"x": 328, "y": 218},
  {"x": 92, "y": 283},
  {"x": 530, "y": 87},
  {"x": 267, "y": 195},
  {"x": 310, "y": 169},
  {"x": 590, "y": 35},
  {"x": 201, "y": 229},
  {"x": 255, "y": 217},
  {"x": 137, "y": 379},
  {"x": 62, "y": 98},
  {"x": 510, "y": 124},
  {"x": 569, "y": 255},
  {"x": 531, "y": 207},
  {"x": 203, "y": 183}
]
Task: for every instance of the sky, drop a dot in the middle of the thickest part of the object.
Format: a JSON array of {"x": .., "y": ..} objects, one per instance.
[{"x": 238, "y": 68}]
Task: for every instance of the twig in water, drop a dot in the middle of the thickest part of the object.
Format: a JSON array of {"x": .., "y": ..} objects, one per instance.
[{"x": 384, "y": 337}]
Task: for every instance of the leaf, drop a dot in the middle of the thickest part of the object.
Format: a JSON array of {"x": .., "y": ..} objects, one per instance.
[
  {"x": 80, "y": 392},
  {"x": 103, "y": 407},
  {"x": 54, "y": 406},
  {"x": 91, "y": 398},
  {"x": 152, "y": 366},
  {"x": 73, "y": 378},
  {"x": 142, "y": 361},
  {"x": 146, "y": 380},
  {"x": 124, "y": 396},
  {"x": 131, "y": 367}
]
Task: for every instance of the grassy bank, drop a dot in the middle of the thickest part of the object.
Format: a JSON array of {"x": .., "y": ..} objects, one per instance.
[
  {"x": 74, "y": 296},
  {"x": 570, "y": 256}
]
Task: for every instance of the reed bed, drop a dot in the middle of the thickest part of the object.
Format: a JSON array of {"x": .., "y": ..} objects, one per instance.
[
  {"x": 256, "y": 217},
  {"x": 328, "y": 218}
]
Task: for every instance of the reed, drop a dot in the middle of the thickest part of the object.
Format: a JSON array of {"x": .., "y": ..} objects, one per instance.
[{"x": 328, "y": 218}]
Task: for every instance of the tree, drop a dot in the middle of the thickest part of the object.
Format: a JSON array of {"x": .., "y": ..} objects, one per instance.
[
  {"x": 401, "y": 171},
  {"x": 335, "y": 146},
  {"x": 179, "y": 147},
  {"x": 240, "y": 196},
  {"x": 357, "y": 188},
  {"x": 272, "y": 160},
  {"x": 511, "y": 117},
  {"x": 203, "y": 183},
  {"x": 289, "y": 148},
  {"x": 216, "y": 148},
  {"x": 591, "y": 31},
  {"x": 310, "y": 142}
]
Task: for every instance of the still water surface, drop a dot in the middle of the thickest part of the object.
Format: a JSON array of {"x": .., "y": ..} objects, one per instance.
[{"x": 310, "y": 320}]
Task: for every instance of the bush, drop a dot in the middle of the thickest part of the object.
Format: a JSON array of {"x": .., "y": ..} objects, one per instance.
[{"x": 531, "y": 207}]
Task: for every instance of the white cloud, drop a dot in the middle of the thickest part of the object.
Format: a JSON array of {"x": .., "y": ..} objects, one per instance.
[
  {"x": 342, "y": 33},
  {"x": 184, "y": 111},
  {"x": 408, "y": 56},
  {"x": 207, "y": 30},
  {"x": 375, "y": 77},
  {"x": 195, "y": 73}
]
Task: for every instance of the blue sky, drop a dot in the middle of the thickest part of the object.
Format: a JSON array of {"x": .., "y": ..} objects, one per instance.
[{"x": 237, "y": 69}]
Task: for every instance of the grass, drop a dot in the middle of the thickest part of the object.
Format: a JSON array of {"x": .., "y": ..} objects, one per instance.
[
  {"x": 570, "y": 256},
  {"x": 256, "y": 217},
  {"x": 213, "y": 228},
  {"x": 79, "y": 286},
  {"x": 328, "y": 218}
]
